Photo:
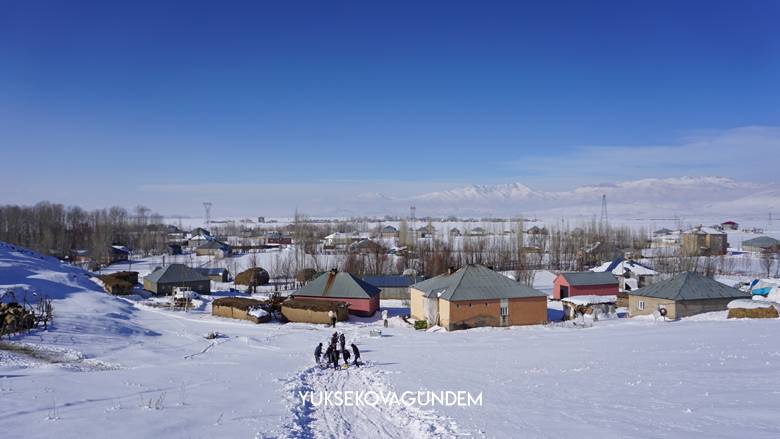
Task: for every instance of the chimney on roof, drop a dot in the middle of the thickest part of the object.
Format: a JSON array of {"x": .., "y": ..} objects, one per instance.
[
  {"x": 334, "y": 271},
  {"x": 450, "y": 270}
]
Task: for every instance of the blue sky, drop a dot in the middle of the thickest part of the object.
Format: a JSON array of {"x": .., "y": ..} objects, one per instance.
[{"x": 159, "y": 102}]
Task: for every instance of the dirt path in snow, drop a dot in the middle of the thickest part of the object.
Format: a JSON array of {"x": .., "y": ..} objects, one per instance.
[{"x": 385, "y": 421}]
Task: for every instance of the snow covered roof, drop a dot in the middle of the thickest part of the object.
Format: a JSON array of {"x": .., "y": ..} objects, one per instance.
[
  {"x": 705, "y": 231},
  {"x": 749, "y": 304},
  {"x": 690, "y": 286},
  {"x": 589, "y": 299},
  {"x": 619, "y": 265},
  {"x": 475, "y": 282},
  {"x": 585, "y": 278}
]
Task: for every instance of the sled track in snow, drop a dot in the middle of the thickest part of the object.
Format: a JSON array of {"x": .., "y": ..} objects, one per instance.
[{"x": 385, "y": 421}]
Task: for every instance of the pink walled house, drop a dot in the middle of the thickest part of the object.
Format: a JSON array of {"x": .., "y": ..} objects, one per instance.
[
  {"x": 586, "y": 283},
  {"x": 362, "y": 297}
]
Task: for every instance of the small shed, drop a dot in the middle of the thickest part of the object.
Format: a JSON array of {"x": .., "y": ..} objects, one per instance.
[
  {"x": 684, "y": 295},
  {"x": 589, "y": 305},
  {"x": 116, "y": 286},
  {"x": 242, "y": 308},
  {"x": 163, "y": 280},
  {"x": 761, "y": 244},
  {"x": 314, "y": 311},
  {"x": 586, "y": 283},
  {"x": 362, "y": 297},
  {"x": 215, "y": 274},
  {"x": 214, "y": 248}
]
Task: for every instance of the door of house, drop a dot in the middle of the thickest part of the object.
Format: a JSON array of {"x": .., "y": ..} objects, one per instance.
[
  {"x": 564, "y": 291},
  {"x": 504, "y": 312}
]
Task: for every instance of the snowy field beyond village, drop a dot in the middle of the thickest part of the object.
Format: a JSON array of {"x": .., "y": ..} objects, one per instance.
[{"x": 110, "y": 367}]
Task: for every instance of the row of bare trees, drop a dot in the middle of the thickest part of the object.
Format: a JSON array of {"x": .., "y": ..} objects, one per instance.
[{"x": 56, "y": 229}]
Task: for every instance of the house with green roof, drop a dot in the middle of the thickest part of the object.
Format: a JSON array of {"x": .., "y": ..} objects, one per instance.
[
  {"x": 761, "y": 244},
  {"x": 362, "y": 297},
  {"x": 475, "y": 296},
  {"x": 684, "y": 295},
  {"x": 163, "y": 280}
]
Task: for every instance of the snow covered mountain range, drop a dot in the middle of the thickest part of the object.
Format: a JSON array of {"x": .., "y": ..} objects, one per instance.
[{"x": 650, "y": 196}]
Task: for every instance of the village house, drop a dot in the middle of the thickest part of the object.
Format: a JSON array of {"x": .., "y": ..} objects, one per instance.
[
  {"x": 454, "y": 232},
  {"x": 475, "y": 296},
  {"x": 586, "y": 283},
  {"x": 630, "y": 274},
  {"x": 684, "y": 295},
  {"x": 704, "y": 241},
  {"x": 362, "y": 297},
  {"x": 389, "y": 232},
  {"x": 729, "y": 225},
  {"x": 396, "y": 287},
  {"x": 214, "y": 248},
  {"x": 665, "y": 238},
  {"x": 163, "y": 280},
  {"x": 761, "y": 244},
  {"x": 340, "y": 239},
  {"x": 117, "y": 253},
  {"x": 275, "y": 237},
  {"x": 215, "y": 274},
  {"x": 426, "y": 231},
  {"x": 366, "y": 247}
]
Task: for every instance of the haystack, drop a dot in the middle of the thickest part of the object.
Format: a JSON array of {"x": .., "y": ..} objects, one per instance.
[
  {"x": 752, "y": 309},
  {"x": 127, "y": 276},
  {"x": 241, "y": 308},
  {"x": 313, "y": 311},
  {"x": 116, "y": 286},
  {"x": 253, "y": 277}
]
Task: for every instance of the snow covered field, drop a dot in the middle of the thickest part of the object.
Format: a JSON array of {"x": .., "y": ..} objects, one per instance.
[{"x": 111, "y": 368}]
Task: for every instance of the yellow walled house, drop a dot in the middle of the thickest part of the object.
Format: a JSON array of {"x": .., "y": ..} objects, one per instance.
[{"x": 475, "y": 296}]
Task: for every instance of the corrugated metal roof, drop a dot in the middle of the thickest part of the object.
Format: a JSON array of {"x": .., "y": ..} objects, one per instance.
[
  {"x": 690, "y": 286},
  {"x": 175, "y": 273},
  {"x": 214, "y": 245},
  {"x": 338, "y": 285},
  {"x": 393, "y": 281},
  {"x": 585, "y": 278},
  {"x": 475, "y": 282}
]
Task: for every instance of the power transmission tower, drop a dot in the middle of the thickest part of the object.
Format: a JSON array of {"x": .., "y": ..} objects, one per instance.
[
  {"x": 207, "y": 206},
  {"x": 604, "y": 218},
  {"x": 412, "y": 220}
]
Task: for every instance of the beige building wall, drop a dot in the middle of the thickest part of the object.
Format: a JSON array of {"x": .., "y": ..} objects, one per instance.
[
  {"x": 651, "y": 304},
  {"x": 475, "y": 313},
  {"x": 417, "y": 304},
  {"x": 675, "y": 310}
]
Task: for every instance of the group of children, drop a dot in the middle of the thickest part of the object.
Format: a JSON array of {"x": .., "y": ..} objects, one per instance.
[{"x": 333, "y": 353}]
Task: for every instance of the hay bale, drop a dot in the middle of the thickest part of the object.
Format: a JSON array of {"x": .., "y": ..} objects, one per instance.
[
  {"x": 127, "y": 276},
  {"x": 241, "y": 308},
  {"x": 252, "y": 277},
  {"x": 753, "y": 313},
  {"x": 242, "y": 303},
  {"x": 314, "y": 311},
  {"x": 116, "y": 286}
]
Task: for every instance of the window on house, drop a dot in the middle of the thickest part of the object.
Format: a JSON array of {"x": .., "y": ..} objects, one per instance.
[
  {"x": 504, "y": 311},
  {"x": 641, "y": 305}
]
